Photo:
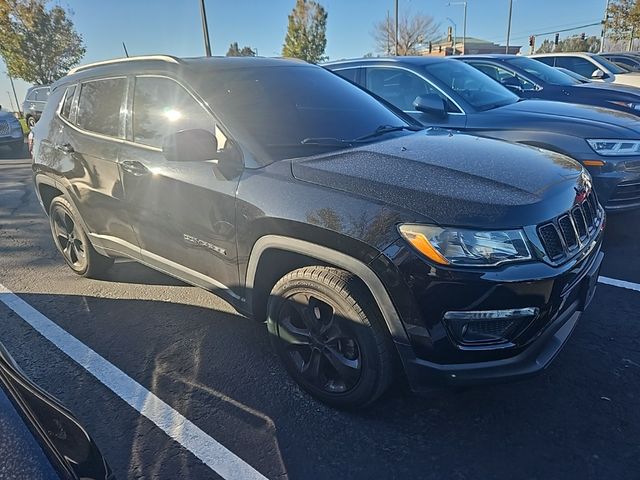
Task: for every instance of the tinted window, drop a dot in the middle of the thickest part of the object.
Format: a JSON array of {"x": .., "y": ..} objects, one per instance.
[
  {"x": 399, "y": 87},
  {"x": 348, "y": 73},
  {"x": 162, "y": 107},
  {"x": 68, "y": 101},
  {"x": 542, "y": 71},
  {"x": 473, "y": 86},
  {"x": 576, "y": 64},
  {"x": 612, "y": 67},
  {"x": 99, "y": 106},
  {"x": 546, "y": 60},
  {"x": 274, "y": 109},
  {"x": 42, "y": 94},
  {"x": 504, "y": 76}
]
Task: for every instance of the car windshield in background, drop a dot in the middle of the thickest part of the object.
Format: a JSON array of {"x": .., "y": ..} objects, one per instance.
[
  {"x": 279, "y": 109},
  {"x": 476, "y": 88},
  {"x": 612, "y": 67},
  {"x": 543, "y": 71}
]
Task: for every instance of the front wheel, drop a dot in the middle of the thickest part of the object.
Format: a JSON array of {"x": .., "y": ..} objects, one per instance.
[
  {"x": 31, "y": 121},
  {"x": 330, "y": 335},
  {"x": 72, "y": 241}
]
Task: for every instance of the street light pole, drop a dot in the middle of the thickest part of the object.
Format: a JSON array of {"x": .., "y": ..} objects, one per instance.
[
  {"x": 205, "y": 29},
  {"x": 397, "y": 22},
  {"x": 509, "y": 26},
  {"x": 455, "y": 28},
  {"x": 464, "y": 24}
]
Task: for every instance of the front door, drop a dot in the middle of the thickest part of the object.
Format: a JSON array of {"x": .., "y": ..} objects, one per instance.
[{"x": 182, "y": 213}]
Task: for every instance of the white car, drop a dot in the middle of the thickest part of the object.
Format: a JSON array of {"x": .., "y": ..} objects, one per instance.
[{"x": 591, "y": 66}]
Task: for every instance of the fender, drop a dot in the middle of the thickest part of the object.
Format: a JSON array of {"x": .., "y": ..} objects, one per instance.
[{"x": 338, "y": 259}]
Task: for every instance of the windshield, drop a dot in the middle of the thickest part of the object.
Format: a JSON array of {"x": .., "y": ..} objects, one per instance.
[
  {"x": 612, "y": 67},
  {"x": 543, "y": 72},
  {"x": 473, "y": 86},
  {"x": 276, "y": 110}
]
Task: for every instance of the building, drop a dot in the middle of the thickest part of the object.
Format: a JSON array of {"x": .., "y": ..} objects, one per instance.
[{"x": 472, "y": 46}]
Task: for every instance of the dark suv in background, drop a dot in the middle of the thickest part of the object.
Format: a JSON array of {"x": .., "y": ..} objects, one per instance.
[
  {"x": 364, "y": 240},
  {"x": 448, "y": 93},
  {"x": 34, "y": 103}
]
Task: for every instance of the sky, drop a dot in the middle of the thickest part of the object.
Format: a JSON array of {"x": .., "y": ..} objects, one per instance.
[{"x": 173, "y": 26}]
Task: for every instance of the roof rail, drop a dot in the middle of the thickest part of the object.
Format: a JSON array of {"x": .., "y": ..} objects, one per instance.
[{"x": 164, "y": 58}]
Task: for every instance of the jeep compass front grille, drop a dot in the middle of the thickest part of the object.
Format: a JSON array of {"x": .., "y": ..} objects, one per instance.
[{"x": 569, "y": 232}]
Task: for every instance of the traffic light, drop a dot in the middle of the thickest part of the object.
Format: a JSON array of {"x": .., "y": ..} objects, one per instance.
[
  {"x": 582, "y": 36},
  {"x": 557, "y": 39},
  {"x": 449, "y": 34},
  {"x": 532, "y": 40}
]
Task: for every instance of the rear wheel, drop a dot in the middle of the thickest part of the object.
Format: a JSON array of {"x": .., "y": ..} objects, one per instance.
[
  {"x": 72, "y": 241},
  {"x": 31, "y": 121},
  {"x": 329, "y": 333}
]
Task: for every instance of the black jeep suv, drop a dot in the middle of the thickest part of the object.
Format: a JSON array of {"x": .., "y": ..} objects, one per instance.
[{"x": 361, "y": 237}]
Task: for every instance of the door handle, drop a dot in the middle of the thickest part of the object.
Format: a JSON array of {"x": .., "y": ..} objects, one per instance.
[
  {"x": 64, "y": 148},
  {"x": 134, "y": 168}
]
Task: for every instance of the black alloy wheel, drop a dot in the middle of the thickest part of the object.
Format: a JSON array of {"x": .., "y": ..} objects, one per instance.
[
  {"x": 72, "y": 242},
  {"x": 330, "y": 336}
]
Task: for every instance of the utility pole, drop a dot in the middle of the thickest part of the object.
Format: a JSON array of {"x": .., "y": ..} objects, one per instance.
[
  {"x": 205, "y": 29},
  {"x": 633, "y": 34},
  {"x": 603, "y": 34},
  {"x": 509, "y": 26},
  {"x": 388, "y": 35},
  {"x": 396, "y": 31},
  {"x": 126, "y": 53},
  {"x": 454, "y": 42}
]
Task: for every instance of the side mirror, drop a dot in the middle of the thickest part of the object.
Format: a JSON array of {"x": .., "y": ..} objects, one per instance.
[
  {"x": 190, "y": 146},
  {"x": 599, "y": 74},
  {"x": 431, "y": 104}
]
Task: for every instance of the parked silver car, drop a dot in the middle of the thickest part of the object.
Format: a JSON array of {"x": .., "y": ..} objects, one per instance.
[{"x": 34, "y": 103}]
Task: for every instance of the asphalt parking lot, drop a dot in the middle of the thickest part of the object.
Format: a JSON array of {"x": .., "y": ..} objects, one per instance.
[{"x": 579, "y": 419}]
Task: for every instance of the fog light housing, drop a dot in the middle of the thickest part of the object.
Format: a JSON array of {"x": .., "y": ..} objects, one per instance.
[{"x": 488, "y": 327}]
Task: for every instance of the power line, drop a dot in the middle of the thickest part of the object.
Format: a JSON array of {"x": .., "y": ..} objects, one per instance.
[{"x": 566, "y": 29}]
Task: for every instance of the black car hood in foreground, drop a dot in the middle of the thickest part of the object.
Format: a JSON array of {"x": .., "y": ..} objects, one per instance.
[
  {"x": 453, "y": 179},
  {"x": 595, "y": 120}
]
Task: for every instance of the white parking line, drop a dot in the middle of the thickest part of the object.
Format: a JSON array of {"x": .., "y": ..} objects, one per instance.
[
  {"x": 224, "y": 462},
  {"x": 619, "y": 283}
]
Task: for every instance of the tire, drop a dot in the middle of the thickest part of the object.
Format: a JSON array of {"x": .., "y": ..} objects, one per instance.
[
  {"x": 330, "y": 335},
  {"x": 31, "y": 121},
  {"x": 72, "y": 241}
]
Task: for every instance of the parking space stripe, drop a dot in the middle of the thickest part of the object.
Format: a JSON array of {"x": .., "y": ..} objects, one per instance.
[
  {"x": 619, "y": 283},
  {"x": 224, "y": 462}
]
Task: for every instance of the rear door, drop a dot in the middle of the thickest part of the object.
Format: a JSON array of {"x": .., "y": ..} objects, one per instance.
[
  {"x": 87, "y": 147},
  {"x": 579, "y": 65},
  {"x": 182, "y": 212}
]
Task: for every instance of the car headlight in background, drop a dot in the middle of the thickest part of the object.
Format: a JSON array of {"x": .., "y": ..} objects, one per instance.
[
  {"x": 462, "y": 247},
  {"x": 613, "y": 148},
  {"x": 631, "y": 105}
]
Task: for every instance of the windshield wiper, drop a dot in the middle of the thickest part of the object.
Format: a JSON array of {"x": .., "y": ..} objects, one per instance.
[
  {"x": 337, "y": 142},
  {"x": 384, "y": 129}
]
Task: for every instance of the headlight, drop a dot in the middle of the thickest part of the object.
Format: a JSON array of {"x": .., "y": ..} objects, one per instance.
[
  {"x": 462, "y": 247},
  {"x": 631, "y": 105},
  {"x": 612, "y": 148}
]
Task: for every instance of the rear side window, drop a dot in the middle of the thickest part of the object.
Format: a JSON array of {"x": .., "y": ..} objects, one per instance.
[
  {"x": 547, "y": 60},
  {"x": 65, "y": 111},
  {"x": 42, "y": 94},
  {"x": 162, "y": 107},
  {"x": 578, "y": 65},
  {"x": 99, "y": 106},
  {"x": 348, "y": 73}
]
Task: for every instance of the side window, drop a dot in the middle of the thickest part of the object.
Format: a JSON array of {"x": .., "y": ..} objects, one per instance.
[
  {"x": 348, "y": 73},
  {"x": 162, "y": 107},
  {"x": 32, "y": 96},
  {"x": 504, "y": 76},
  {"x": 547, "y": 60},
  {"x": 399, "y": 87},
  {"x": 578, "y": 65},
  {"x": 99, "y": 106},
  {"x": 65, "y": 111},
  {"x": 42, "y": 94}
]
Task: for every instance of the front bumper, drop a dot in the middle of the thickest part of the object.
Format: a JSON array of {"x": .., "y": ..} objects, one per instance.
[
  {"x": 433, "y": 357},
  {"x": 617, "y": 185}
]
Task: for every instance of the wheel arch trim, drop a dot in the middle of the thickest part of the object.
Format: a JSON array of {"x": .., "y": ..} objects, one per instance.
[{"x": 338, "y": 259}]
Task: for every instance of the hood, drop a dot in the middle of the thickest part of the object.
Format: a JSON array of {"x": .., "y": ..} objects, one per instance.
[
  {"x": 612, "y": 88},
  {"x": 4, "y": 115},
  {"x": 631, "y": 78},
  {"x": 453, "y": 179},
  {"x": 569, "y": 115}
]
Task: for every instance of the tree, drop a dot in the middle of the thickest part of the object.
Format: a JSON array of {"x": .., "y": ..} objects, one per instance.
[
  {"x": 623, "y": 20},
  {"x": 413, "y": 31},
  {"x": 235, "y": 51},
  {"x": 38, "y": 44},
  {"x": 306, "y": 34},
  {"x": 574, "y": 43}
]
